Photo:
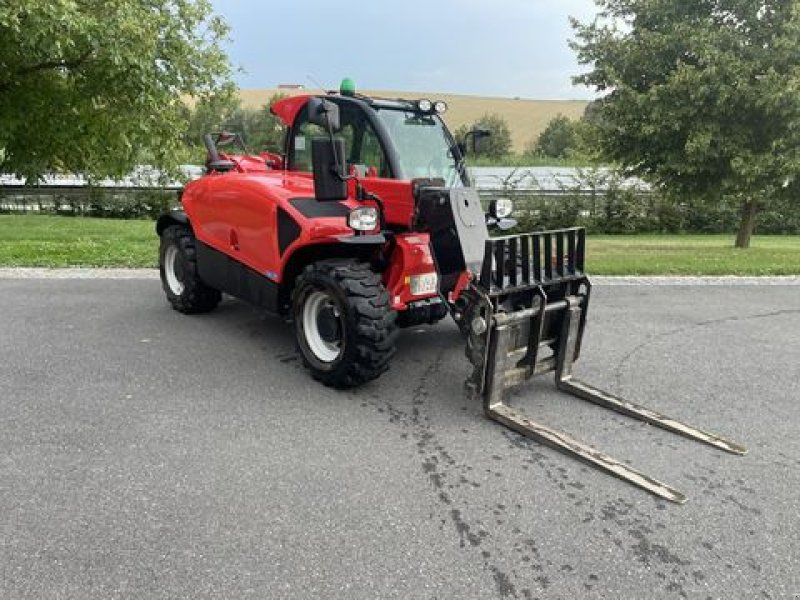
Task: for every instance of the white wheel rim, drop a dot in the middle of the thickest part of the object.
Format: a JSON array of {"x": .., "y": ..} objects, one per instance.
[
  {"x": 170, "y": 258},
  {"x": 315, "y": 303}
]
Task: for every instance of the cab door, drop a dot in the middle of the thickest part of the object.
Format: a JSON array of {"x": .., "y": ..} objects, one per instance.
[
  {"x": 365, "y": 158},
  {"x": 369, "y": 161}
]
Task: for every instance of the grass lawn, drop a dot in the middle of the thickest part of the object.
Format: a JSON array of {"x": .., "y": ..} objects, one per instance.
[
  {"x": 691, "y": 255},
  {"x": 49, "y": 241}
]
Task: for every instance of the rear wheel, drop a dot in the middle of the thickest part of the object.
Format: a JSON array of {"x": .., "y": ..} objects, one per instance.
[
  {"x": 178, "y": 267},
  {"x": 345, "y": 326}
]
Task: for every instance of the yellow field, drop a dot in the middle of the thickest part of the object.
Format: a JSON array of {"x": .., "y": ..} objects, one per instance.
[{"x": 526, "y": 118}]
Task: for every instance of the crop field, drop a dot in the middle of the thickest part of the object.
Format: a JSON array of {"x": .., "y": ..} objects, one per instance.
[{"x": 526, "y": 118}]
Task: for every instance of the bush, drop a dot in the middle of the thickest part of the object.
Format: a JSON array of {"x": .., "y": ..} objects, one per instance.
[
  {"x": 94, "y": 202},
  {"x": 498, "y": 144},
  {"x": 603, "y": 205},
  {"x": 782, "y": 216},
  {"x": 131, "y": 205},
  {"x": 259, "y": 128},
  {"x": 558, "y": 139}
]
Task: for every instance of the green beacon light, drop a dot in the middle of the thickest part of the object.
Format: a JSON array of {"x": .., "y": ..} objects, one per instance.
[{"x": 347, "y": 87}]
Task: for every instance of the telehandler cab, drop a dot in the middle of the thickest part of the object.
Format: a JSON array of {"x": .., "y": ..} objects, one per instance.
[{"x": 367, "y": 223}]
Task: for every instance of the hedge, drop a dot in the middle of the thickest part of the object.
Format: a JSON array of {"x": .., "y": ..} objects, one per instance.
[
  {"x": 612, "y": 210},
  {"x": 90, "y": 202},
  {"x": 629, "y": 211}
]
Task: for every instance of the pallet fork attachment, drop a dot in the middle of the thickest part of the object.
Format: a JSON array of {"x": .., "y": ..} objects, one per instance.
[{"x": 528, "y": 318}]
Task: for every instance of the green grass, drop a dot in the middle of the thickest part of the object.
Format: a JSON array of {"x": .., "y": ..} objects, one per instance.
[
  {"x": 691, "y": 255},
  {"x": 49, "y": 241}
]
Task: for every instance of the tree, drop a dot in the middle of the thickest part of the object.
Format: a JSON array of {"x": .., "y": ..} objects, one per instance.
[
  {"x": 98, "y": 87},
  {"x": 558, "y": 139},
  {"x": 701, "y": 97},
  {"x": 259, "y": 128},
  {"x": 209, "y": 114},
  {"x": 498, "y": 144}
]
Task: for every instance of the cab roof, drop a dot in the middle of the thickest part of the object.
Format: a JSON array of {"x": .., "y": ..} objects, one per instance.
[{"x": 286, "y": 109}]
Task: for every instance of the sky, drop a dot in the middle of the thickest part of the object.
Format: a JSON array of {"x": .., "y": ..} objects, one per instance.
[{"x": 505, "y": 48}]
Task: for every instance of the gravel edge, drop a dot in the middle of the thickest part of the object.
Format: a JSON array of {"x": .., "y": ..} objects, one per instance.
[
  {"x": 602, "y": 280},
  {"x": 76, "y": 273}
]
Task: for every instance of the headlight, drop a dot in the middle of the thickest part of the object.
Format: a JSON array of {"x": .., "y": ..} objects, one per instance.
[
  {"x": 424, "y": 105},
  {"x": 502, "y": 208},
  {"x": 440, "y": 107},
  {"x": 364, "y": 218}
]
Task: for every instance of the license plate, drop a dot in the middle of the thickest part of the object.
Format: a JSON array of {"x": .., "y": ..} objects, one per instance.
[{"x": 427, "y": 283}]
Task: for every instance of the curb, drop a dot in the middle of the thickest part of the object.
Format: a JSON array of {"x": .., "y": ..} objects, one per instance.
[
  {"x": 76, "y": 273},
  {"x": 695, "y": 280},
  {"x": 601, "y": 280}
]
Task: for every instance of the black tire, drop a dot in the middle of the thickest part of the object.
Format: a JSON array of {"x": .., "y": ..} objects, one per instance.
[
  {"x": 177, "y": 263},
  {"x": 358, "y": 325}
]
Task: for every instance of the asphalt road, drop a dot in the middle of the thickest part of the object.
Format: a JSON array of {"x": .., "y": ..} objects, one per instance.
[{"x": 146, "y": 454}]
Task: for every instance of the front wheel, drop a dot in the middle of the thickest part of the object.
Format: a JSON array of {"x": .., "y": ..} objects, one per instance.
[
  {"x": 345, "y": 326},
  {"x": 177, "y": 264}
]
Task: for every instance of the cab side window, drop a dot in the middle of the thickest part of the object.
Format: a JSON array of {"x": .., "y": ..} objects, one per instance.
[
  {"x": 363, "y": 152},
  {"x": 372, "y": 155},
  {"x": 301, "y": 145}
]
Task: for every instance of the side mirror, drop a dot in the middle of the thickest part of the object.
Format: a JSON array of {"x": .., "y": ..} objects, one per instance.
[
  {"x": 327, "y": 156},
  {"x": 479, "y": 137},
  {"x": 324, "y": 113}
]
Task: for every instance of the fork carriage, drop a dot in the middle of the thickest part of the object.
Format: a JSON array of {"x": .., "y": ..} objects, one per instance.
[{"x": 531, "y": 298}]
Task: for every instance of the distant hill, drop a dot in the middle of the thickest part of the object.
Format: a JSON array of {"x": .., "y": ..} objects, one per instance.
[{"x": 526, "y": 118}]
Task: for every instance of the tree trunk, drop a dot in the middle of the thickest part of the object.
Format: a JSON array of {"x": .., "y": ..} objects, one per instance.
[{"x": 746, "y": 225}]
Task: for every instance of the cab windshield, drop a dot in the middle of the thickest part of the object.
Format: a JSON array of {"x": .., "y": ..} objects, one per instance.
[{"x": 423, "y": 145}]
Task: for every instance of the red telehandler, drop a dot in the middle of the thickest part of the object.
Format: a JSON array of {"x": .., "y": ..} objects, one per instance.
[{"x": 367, "y": 223}]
